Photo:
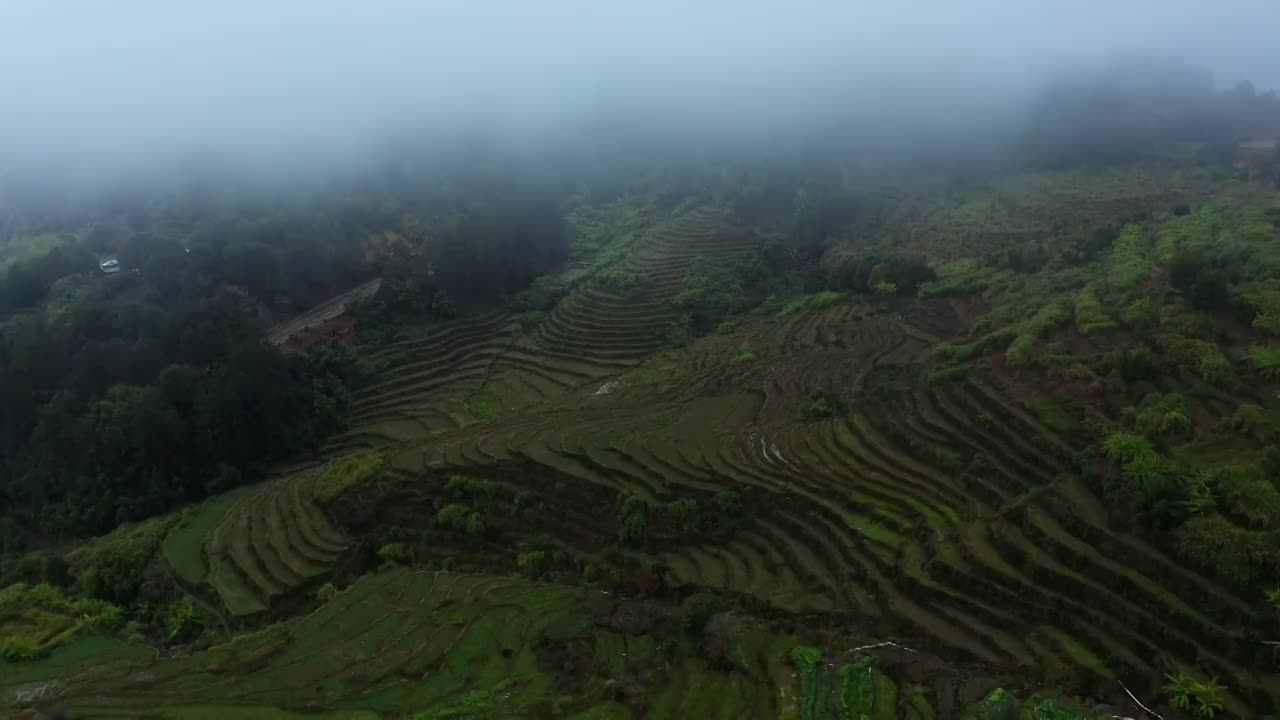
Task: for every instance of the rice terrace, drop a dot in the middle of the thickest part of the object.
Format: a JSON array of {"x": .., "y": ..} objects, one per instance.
[{"x": 828, "y": 437}]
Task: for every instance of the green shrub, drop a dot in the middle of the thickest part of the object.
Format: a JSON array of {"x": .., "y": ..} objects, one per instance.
[
  {"x": 19, "y": 648},
  {"x": 459, "y": 518},
  {"x": 1199, "y": 358},
  {"x": 1232, "y": 553},
  {"x": 533, "y": 563},
  {"x": 1131, "y": 364},
  {"x": 633, "y": 515},
  {"x": 394, "y": 553},
  {"x": 182, "y": 620},
  {"x": 1163, "y": 415},
  {"x": 684, "y": 515},
  {"x": 814, "y": 301},
  {"x": 1266, "y": 361},
  {"x": 1250, "y": 498},
  {"x": 113, "y": 567},
  {"x": 947, "y": 352},
  {"x": 1028, "y": 332},
  {"x": 999, "y": 704},
  {"x": 471, "y": 488},
  {"x": 1140, "y": 313},
  {"x": 948, "y": 376},
  {"x": 326, "y": 592},
  {"x": 746, "y": 355},
  {"x": 805, "y": 658},
  {"x": 818, "y": 408},
  {"x": 1203, "y": 699}
]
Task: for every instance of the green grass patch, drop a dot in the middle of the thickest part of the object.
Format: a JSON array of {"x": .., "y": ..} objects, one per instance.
[
  {"x": 483, "y": 406},
  {"x": 21, "y": 248},
  {"x": 805, "y": 303},
  {"x": 342, "y": 474}
]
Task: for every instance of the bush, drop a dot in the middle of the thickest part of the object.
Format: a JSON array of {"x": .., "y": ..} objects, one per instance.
[
  {"x": 459, "y": 518},
  {"x": 818, "y": 408},
  {"x": 1266, "y": 361},
  {"x": 182, "y": 620},
  {"x": 1163, "y": 415},
  {"x": 633, "y": 514},
  {"x": 1232, "y": 553},
  {"x": 471, "y": 488},
  {"x": 114, "y": 567},
  {"x": 533, "y": 563},
  {"x": 684, "y": 515},
  {"x": 19, "y": 648},
  {"x": 805, "y": 303},
  {"x": 1199, "y": 358},
  {"x": 1201, "y": 699},
  {"x": 326, "y": 592},
  {"x": 394, "y": 553},
  {"x": 746, "y": 355}
]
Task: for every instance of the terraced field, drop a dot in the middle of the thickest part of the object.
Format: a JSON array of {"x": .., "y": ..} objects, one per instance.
[
  {"x": 947, "y": 515},
  {"x": 944, "y": 515},
  {"x": 472, "y": 370},
  {"x": 256, "y": 544}
]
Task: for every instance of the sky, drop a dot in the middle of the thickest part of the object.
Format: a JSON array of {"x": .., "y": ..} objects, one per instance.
[{"x": 141, "y": 78}]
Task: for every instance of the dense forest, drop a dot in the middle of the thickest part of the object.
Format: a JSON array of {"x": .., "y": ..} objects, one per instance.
[
  {"x": 948, "y": 388},
  {"x": 129, "y": 393}
]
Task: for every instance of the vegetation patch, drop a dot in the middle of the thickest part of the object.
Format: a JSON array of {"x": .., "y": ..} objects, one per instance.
[{"x": 343, "y": 474}]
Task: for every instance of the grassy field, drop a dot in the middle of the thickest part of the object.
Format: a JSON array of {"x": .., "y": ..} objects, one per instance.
[{"x": 452, "y": 646}]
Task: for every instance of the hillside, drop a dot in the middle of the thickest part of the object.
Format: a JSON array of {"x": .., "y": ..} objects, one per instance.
[{"x": 1036, "y": 465}]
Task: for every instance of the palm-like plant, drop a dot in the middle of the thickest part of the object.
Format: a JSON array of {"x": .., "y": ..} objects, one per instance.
[{"x": 1202, "y": 699}]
